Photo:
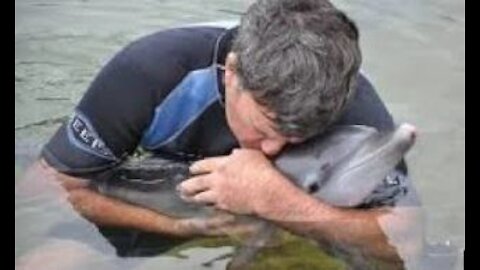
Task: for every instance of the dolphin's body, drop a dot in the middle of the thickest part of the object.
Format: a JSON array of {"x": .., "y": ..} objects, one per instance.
[{"x": 342, "y": 168}]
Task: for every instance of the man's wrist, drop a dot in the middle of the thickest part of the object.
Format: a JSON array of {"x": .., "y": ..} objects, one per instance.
[
  {"x": 182, "y": 228},
  {"x": 288, "y": 203},
  {"x": 277, "y": 200}
]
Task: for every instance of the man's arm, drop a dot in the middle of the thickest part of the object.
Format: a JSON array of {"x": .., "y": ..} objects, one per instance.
[
  {"x": 107, "y": 211},
  {"x": 104, "y": 210},
  {"x": 246, "y": 183},
  {"x": 389, "y": 233}
]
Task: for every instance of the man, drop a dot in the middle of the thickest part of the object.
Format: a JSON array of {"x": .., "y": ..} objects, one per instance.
[{"x": 287, "y": 73}]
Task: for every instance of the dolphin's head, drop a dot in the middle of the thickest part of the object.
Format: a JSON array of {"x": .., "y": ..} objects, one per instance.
[
  {"x": 347, "y": 162},
  {"x": 312, "y": 163},
  {"x": 357, "y": 176}
]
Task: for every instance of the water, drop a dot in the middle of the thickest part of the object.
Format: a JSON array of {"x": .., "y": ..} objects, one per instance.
[{"x": 414, "y": 52}]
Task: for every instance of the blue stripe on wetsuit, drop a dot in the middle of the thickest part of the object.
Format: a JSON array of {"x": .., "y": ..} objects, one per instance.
[{"x": 187, "y": 101}]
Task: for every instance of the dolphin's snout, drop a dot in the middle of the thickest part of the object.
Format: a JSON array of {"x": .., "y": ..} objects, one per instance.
[
  {"x": 409, "y": 130},
  {"x": 406, "y": 135}
]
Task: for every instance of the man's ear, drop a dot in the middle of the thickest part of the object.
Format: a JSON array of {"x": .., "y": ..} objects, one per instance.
[
  {"x": 231, "y": 61},
  {"x": 231, "y": 69}
]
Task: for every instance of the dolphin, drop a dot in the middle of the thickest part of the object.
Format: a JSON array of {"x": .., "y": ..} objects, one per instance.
[{"x": 342, "y": 167}]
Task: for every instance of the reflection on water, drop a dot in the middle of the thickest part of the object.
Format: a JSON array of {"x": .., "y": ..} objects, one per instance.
[{"x": 413, "y": 51}]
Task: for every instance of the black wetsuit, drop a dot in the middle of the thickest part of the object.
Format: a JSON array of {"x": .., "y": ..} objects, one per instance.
[{"x": 164, "y": 92}]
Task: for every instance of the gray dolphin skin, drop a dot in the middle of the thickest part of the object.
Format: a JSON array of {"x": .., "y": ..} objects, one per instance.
[{"x": 341, "y": 168}]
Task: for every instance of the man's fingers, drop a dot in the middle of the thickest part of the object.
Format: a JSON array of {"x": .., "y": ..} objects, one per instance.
[
  {"x": 208, "y": 226},
  {"x": 221, "y": 220},
  {"x": 206, "y": 197},
  {"x": 193, "y": 186},
  {"x": 233, "y": 229},
  {"x": 220, "y": 225},
  {"x": 207, "y": 165}
]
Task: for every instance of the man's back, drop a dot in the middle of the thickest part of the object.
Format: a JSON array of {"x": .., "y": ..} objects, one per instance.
[{"x": 164, "y": 92}]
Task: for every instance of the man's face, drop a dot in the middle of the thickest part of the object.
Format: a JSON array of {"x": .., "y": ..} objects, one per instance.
[{"x": 250, "y": 122}]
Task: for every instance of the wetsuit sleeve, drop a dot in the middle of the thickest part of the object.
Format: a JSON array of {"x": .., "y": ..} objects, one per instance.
[{"x": 107, "y": 124}]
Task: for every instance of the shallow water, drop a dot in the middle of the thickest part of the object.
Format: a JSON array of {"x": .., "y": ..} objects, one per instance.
[{"x": 414, "y": 52}]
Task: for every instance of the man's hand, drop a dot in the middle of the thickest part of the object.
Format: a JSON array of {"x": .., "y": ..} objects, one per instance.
[
  {"x": 239, "y": 183},
  {"x": 221, "y": 224}
]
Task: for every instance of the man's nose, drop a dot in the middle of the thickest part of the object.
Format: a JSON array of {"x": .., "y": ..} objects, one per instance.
[{"x": 272, "y": 147}]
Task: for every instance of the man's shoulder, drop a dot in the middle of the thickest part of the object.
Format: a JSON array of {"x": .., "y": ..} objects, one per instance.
[
  {"x": 184, "y": 44},
  {"x": 367, "y": 107}
]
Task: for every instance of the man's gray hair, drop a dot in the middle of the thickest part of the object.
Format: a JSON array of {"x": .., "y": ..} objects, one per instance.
[{"x": 300, "y": 59}]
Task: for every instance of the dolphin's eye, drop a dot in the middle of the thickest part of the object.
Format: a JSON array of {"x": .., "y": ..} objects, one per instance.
[
  {"x": 313, "y": 188},
  {"x": 326, "y": 166}
]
